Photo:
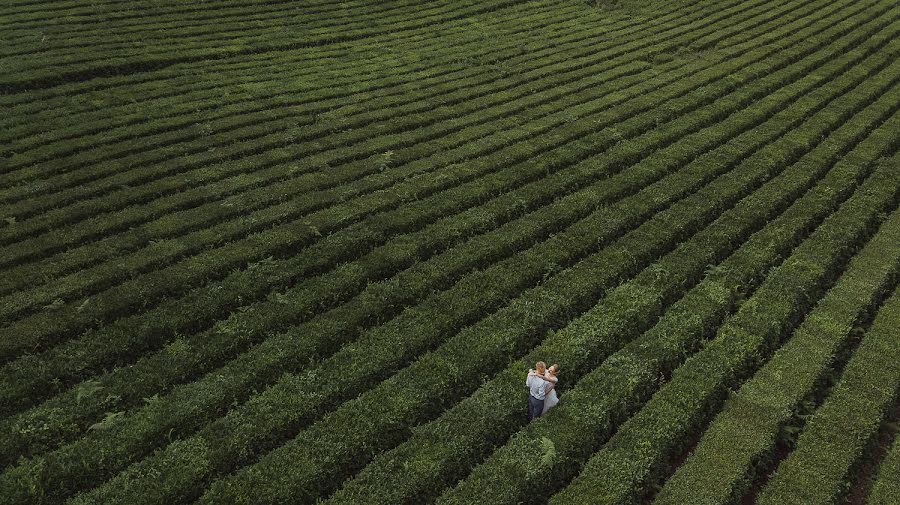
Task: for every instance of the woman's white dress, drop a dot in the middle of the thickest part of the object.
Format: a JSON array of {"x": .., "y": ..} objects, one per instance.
[{"x": 550, "y": 400}]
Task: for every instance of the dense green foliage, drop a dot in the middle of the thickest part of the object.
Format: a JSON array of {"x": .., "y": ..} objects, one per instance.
[{"x": 265, "y": 251}]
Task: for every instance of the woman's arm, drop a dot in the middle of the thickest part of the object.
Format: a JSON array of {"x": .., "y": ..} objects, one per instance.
[{"x": 551, "y": 382}]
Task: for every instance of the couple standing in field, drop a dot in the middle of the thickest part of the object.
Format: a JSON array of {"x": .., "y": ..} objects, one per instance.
[{"x": 541, "y": 384}]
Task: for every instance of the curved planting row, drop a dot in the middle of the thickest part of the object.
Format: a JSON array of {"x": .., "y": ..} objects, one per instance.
[
  {"x": 72, "y": 11},
  {"x": 214, "y": 345},
  {"x": 47, "y": 72},
  {"x": 307, "y": 109},
  {"x": 285, "y": 152},
  {"x": 886, "y": 486},
  {"x": 436, "y": 451},
  {"x": 335, "y": 62},
  {"x": 834, "y": 439},
  {"x": 126, "y": 388},
  {"x": 368, "y": 433},
  {"x": 157, "y": 188},
  {"x": 118, "y": 93},
  {"x": 249, "y": 192},
  {"x": 740, "y": 443},
  {"x": 239, "y": 79},
  {"x": 370, "y": 166},
  {"x": 121, "y": 267},
  {"x": 344, "y": 219},
  {"x": 217, "y": 430},
  {"x": 401, "y": 252},
  {"x": 740, "y": 101},
  {"x": 218, "y": 24},
  {"x": 574, "y": 127},
  {"x": 318, "y": 275},
  {"x": 625, "y": 469},
  {"x": 515, "y": 485},
  {"x": 249, "y": 77}
]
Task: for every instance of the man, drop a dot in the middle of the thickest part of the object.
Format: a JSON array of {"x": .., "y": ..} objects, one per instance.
[{"x": 537, "y": 387}]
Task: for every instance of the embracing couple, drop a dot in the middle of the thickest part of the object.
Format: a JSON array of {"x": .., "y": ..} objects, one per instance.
[{"x": 541, "y": 383}]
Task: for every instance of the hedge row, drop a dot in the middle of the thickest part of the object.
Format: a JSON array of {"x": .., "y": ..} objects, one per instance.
[
  {"x": 341, "y": 456},
  {"x": 382, "y": 417},
  {"x": 215, "y": 345},
  {"x": 72, "y": 20},
  {"x": 46, "y": 326},
  {"x": 46, "y": 99},
  {"x": 66, "y": 236},
  {"x": 304, "y": 111},
  {"x": 218, "y": 24},
  {"x": 270, "y": 135},
  {"x": 85, "y": 48},
  {"x": 227, "y": 94},
  {"x": 77, "y": 13},
  {"x": 625, "y": 470},
  {"x": 256, "y": 189},
  {"x": 65, "y": 470},
  {"x": 64, "y": 350},
  {"x": 333, "y": 104},
  {"x": 633, "y": 373},
  {"x": 740, "y": 443},
  {"x": 65, "y": 289},
  {"x": 48, "y": 72},
  {"x": 94, "y": 276},
  {"x": 101, "y": 225},
  {"x": 250, "y": 50},
  {"x": 394, "y": 255},
  {"x": 337, "y": 63},
  {"x": 432, "y": 459},
  {"x": 327, "y": 220},
  {"x": 183, "y": 233},
  {"x": 218, "y": 434},
  {"x": 886, "y": 488},
  {"x": 382, "y": 73},
  {"x": 54, "y": 6},
  {"x": 835, "y": 438},
  {"x": 247, "y": 33}
]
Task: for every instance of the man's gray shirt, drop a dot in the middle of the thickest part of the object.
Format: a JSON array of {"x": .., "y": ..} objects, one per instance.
[{"x": 537, "y": 386}]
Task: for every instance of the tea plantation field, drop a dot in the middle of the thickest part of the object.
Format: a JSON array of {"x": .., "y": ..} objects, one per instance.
[{"x": 273, "y": 251}]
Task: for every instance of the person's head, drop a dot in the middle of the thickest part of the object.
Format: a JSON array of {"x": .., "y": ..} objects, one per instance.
[
  {"x": 540, "y": 367},
  {"x": 554, "y": 369}
]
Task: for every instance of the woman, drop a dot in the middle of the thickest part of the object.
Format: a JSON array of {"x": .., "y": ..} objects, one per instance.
[{"x": 550, "y": 399}]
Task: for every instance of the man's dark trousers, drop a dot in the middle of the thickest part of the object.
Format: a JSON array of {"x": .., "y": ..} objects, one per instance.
[{"x": 535, "y": 407}]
